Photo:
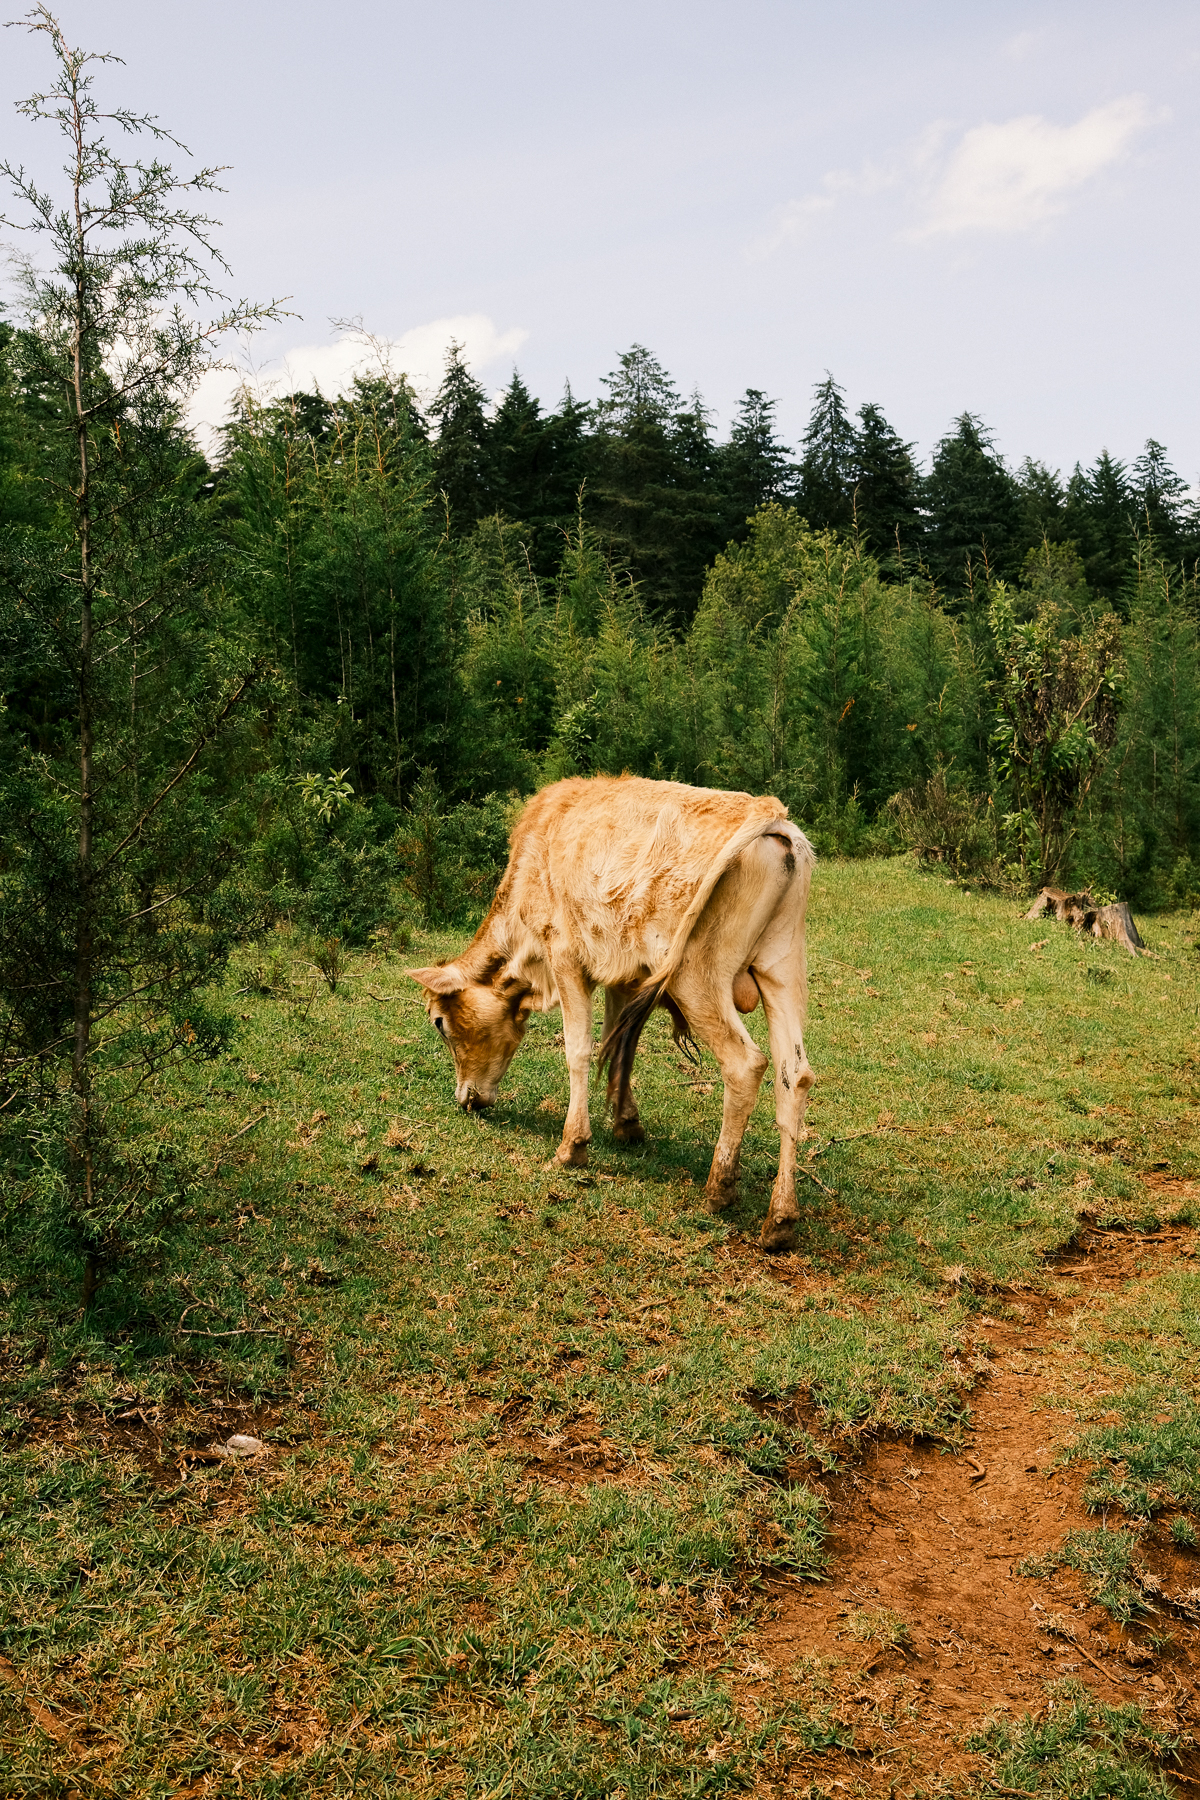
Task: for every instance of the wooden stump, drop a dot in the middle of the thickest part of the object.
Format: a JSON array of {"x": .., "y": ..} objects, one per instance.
[{"x": 1081, "y": 912}]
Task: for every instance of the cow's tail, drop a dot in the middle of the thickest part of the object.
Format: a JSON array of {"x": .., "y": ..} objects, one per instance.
[{"x": 620, "y": 1043}]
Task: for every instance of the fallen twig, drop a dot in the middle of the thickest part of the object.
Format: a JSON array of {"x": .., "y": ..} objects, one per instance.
[
  {"x": 900, "y": 1130},
  {"x": 239, "y": 1133},
  {"x": 1076, "y": 1645},
  {"x": 238, "y": 1331},
  {"x": 48, "y": 1721},
  {"x": 816, "y": 1181},
  {"x": 248, "y": 1126}
]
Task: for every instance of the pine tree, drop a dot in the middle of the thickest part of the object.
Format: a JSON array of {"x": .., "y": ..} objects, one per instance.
[
  {"x": 116, "y": 832},
  {"x": 514, "y": 442},
  {"x": 886, "y": 489},
  {"x": 537, "y": 464},
  {"x": 1100, "y": 516},
  {"x": 973, "y": 511},
  {"x": 652, "y": 495},
  {"x": 755, "y": 466},
  {"x": 826, "y": 496},
  {"x": 460, "y": 452},
  {"x": 1043, "y": 502},
  {"x": 1159, "y": 495}
]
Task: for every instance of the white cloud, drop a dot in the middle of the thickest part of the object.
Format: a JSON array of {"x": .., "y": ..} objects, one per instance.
[
  {"x": 796, "y": 218},
  {"x": 791, "y": 221},
  {"x": 996, "y": 178},
  {"x": 1023, "y": 44},
  {"x": 1010, "y": 177},
  {"x": 419, "y": 354}
]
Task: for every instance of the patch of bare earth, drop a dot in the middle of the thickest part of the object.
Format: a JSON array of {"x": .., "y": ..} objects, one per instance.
[
  {"x": 165, "y": 1440},
  {"x": 925, "y": 1546}
]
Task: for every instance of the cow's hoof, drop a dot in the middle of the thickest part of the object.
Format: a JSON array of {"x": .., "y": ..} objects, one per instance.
[
  {"x": 778, "y": 1235},
  {"x": 570, "y": 1156},
  {"x": 630, "y": 1131},
  {"x": 720, "y": 1194}
]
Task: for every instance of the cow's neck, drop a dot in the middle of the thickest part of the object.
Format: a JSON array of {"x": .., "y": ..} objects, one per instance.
[{"x": 487, "y": 952}]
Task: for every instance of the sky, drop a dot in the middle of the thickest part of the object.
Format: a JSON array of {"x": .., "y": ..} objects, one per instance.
[{"x": 951, "y": 206}]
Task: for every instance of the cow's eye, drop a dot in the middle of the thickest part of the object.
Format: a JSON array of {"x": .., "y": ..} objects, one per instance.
[{"x": 440, "y": 1024}]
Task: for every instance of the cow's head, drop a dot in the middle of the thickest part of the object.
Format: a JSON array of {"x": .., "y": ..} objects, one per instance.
[{"x": 482, "y": 1022}]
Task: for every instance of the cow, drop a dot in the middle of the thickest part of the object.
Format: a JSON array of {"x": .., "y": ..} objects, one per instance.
[{"x": 666, "y": 895}]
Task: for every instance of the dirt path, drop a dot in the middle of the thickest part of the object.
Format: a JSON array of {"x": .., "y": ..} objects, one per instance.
[{"x": 930, "y": 1542}]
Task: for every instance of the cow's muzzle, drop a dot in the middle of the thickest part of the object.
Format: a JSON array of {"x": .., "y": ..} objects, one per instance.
[{"x": 471, "y": 1100}]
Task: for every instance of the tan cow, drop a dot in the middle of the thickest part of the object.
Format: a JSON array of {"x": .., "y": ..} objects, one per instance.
[{"x": 684, "y": 897}]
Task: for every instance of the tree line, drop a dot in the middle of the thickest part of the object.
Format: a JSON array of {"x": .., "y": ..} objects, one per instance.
[
  {"x": 666, "y": 497},
  {"x": 306, "y": 683}
]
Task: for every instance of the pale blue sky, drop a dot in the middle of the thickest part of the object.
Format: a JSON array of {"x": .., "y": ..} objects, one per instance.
[{"x": 950, "y": 206}]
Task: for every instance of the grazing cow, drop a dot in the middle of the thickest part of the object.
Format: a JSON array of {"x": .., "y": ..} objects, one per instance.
[{"x": 666, "y": 895}]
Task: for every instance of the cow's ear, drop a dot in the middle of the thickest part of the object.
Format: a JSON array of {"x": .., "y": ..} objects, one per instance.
[{"x": 448, "y": 979}]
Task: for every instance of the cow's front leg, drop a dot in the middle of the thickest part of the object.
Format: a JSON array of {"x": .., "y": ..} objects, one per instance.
[
  {"x": 627, "y": 1126},
  {"x": 794, "y": 1080},
  {"x": 575, "y": 992},
  {"x": 742, "y": 1068}
]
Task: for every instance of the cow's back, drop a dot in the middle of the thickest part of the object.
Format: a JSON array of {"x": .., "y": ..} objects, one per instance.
[{"x": 606, "y": 867}]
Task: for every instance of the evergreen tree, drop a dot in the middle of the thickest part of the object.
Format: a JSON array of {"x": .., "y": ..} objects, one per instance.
[
  {"x": 1100, "y": 516},
  {"x": 117, "y": 828},
  {"x": 312, "y": 415},
  {"x": 755, "y": 466},
  {"x": 537, "y": 465},
  {"x": 1043, "y": 502},
  {"x": 339, "y": 537},
  {"x": 1159, "y": 494},
  {"x": 460, "y": 452},
  {"x": 514, "y": 442},
  {"x": 886, "y": 489},
  {"x": 392, "y": 404},
  {"x": 652, "y": 495},
  {"x": 826, "y": 495},
  {"x": 973, "y": 511}
]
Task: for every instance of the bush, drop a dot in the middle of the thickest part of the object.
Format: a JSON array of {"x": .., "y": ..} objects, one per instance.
[
  {"x": 941, "y": 822},
  {"x": 326, "y": 860},
  {"x": 451, "y": 858}
]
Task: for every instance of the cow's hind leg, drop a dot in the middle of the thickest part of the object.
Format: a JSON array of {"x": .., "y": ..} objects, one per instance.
[
  {"x": 627, "y": 1126},
  {"x": 575, "y": 992},
  {"x": 742, "y": 1068},
  {"x": 783, "y": 1003}
]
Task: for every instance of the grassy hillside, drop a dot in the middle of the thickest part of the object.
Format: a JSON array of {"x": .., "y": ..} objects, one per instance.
[{"x": 537, "y": 1440}]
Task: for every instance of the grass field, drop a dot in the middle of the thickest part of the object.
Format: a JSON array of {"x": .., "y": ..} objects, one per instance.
[{"x": 537, "y": 1442}]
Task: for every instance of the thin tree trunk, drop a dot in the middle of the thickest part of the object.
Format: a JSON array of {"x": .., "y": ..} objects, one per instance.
[{"x": 85, "y": 909}]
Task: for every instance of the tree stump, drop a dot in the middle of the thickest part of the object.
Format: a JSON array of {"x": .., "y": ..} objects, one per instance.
[{"x": 1081, "y": 912}]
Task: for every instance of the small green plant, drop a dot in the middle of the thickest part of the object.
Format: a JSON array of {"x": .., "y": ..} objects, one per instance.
[
  {"x": 325, "y": 795},
  {"x": 942, "y": 822},
  {"x": 880, "y": 1625},
  {"x": 328, "y": 958},
  {"x": 1183, "y": 1532}
]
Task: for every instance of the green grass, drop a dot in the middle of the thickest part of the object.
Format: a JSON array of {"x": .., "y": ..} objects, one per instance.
[
  {"x": 1145, "y": 1350},
  {"x": 1110, "y": 1565},
  {"x": 537, "y": 1438},
  {"x": 1078, "y": 1749}
]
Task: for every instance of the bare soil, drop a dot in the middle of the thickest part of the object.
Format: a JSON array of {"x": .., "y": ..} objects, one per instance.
[{"x": 930, "y": 1541}]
